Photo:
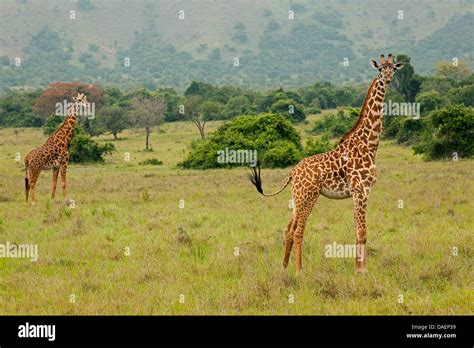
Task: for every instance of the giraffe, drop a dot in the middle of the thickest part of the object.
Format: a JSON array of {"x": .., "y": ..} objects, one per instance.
[
  {"x": 346, "y": 171},
  {"x": 53, "y": 154}
]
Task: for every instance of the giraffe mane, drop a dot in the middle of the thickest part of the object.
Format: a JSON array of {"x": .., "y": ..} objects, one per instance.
[{"x": 360, "y": 119}]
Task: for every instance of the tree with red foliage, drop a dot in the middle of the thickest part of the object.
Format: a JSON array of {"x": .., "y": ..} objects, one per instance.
[{"x": 57, "y": 92}]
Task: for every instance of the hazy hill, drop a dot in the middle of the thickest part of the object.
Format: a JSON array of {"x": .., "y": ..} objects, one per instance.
[{"x": 271, "y": 48}]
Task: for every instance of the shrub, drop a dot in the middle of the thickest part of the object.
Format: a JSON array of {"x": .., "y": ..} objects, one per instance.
[
  {"x": 337, "y": 124},
  {"x": 392, "y": 125},
  {"x": 318, "y": 145},
  {"x": 429, "y": 101},
  {"x": 281, "y": 154},
  {"x": 290, "y": 109},
  {"x": 84, "y": 149},
  {"x": 449, "y": 130},
  {"x": 52, "y": 123},
  {"x": 410, "y": 131},
  {"x": 151, "y": 161},
  {"x": 276, "y": 141}
]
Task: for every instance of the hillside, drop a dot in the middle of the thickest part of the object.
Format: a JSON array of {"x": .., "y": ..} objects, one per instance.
[{"x": 272, "y": 49}]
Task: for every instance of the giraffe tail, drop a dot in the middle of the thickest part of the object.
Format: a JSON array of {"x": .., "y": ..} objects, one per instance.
[
  {"x": 257, "y": 182},
  {"x": 27, "y": 183}
]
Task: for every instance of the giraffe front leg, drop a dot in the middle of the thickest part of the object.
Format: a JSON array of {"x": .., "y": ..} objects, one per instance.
[
  {"x": 360, "y": 206},
  {"x": 63, "y": 170},
  {"x": 55, "y": 181}
]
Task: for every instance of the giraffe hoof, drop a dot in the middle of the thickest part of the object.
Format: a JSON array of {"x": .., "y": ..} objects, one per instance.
[{"x": 361, "y": 270}]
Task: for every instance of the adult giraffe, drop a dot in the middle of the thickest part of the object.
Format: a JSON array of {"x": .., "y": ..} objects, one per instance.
[
  {"x": 346, "y": 171},
  {"x": 53, "y": 154}
]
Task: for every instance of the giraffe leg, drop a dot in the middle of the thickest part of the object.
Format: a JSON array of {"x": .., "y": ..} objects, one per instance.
[
  {"x": 63, "y": 169},
  {"x": 55, "y": 181},
  {"x": 360, "y": 207},
  {"x": 303, "y": 210},
  {"x": 290, "y": 229},
  {"x": 32, "y": 186}
]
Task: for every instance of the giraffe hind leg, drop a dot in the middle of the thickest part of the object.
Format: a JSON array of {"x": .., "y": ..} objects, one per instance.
[
  {"x": 32, "y": 184},
  {"x": 289, "y": 240},
  {"x": 303, "y": 210},
  {"x": 63, "y": 169}
]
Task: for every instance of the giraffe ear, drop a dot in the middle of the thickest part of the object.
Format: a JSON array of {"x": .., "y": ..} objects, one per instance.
[
  {"x": 399, "y": 66},
  {"x": 374, "y": 64}
]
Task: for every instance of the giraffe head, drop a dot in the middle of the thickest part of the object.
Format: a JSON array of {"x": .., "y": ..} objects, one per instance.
[
  {"x": 79, "y": 101},
  {"x": 387, "y": 67}
]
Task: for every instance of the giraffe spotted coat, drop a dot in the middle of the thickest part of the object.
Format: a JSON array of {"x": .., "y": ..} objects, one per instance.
[{"x": 347, "y": 171}]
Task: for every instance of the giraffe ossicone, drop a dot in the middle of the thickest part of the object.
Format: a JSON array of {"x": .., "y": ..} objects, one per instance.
[{"x": 346, "y": 171}]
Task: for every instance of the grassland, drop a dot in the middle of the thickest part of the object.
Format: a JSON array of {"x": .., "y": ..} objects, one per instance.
[{"x": 122, "y": 206}]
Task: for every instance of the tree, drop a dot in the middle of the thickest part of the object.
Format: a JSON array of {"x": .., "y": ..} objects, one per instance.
[
  {"x": 16, "y": 109},
  {"x": 146, "y": 112},
  {"x": 172, "y": 103},
  {"x": 451, "y": 71},
  {"x": 451, "y": 130},
  {"x": 268, "y": 139},
  {"x": 193, "y": 112},
  {"x": 290, "y": 109},
  {"x": 405, "y": 81},
  {"x": 429, "y": 101},
  {"x": 58, "y": 92},
  {"x": 113, "y": 119},
  {"x": 199, "y": 88}
]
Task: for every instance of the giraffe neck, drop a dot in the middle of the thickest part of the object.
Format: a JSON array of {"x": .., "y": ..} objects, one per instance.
[
  {"x": 367, "y": 130},
  {"x": 64, "y": 133}
]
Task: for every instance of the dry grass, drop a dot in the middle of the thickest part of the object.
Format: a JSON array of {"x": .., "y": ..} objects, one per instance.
[{"x": 191, "y": 251}]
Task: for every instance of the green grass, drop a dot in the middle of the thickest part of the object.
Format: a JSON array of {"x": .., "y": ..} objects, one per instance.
[{"x": 191, "y": 251}]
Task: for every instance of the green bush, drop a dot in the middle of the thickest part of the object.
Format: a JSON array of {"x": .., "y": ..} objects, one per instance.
[
  {"x": 151, "y": 161},
  {"x": 337, "y": 124},
  {"x": 289, "y": 108},
  {"x": 449, "y": 130},
  {"x": 392, "y": 125},
  {"x": 429, "y": 101},
  {"x": 276, "y": 141},
  {"x": 319, "y": 145},
  {"x": 410, "y": 131},
  {"x": 281, "y": 154},
  {"x": 52, "y": 123},
  {"x": 84, "y": 149}
]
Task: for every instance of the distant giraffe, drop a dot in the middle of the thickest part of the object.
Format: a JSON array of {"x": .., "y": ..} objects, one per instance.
[
  {"x": 53, "y": 154},
  {"x": 346, "y": 171}
]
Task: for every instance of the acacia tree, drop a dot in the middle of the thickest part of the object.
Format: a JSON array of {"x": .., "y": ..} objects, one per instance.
[
  {"x": 113, "y": 119},
  {"x": 146, "y": 112},
  {"x": 200, "y": 112}
]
